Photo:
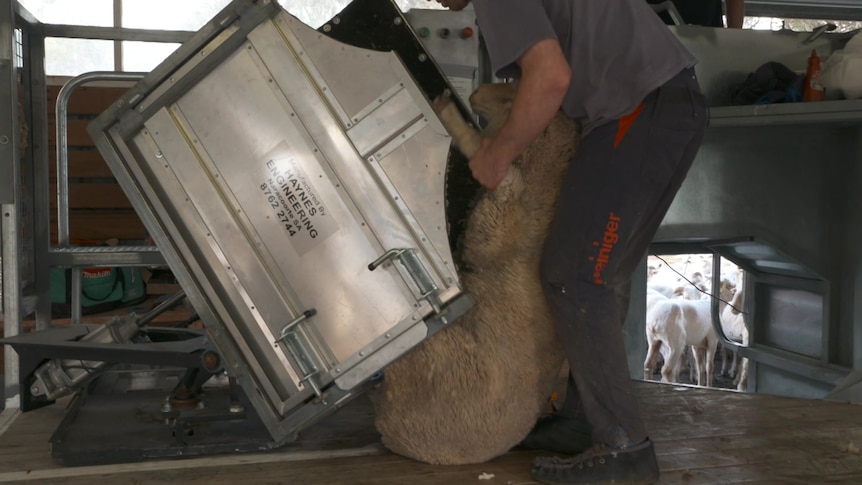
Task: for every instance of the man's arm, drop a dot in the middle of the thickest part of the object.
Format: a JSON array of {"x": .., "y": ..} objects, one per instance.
[
  {"x": 545, "y": 78},
  {"x": 735, "y": 10}
]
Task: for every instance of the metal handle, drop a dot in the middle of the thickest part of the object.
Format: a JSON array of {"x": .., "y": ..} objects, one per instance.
[
  {"x": 415, "y": 269},
  {"x": 293, "y": 323},
  {"x": 298, "y": 352}
]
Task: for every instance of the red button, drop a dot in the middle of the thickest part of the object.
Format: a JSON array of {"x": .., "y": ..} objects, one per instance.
[{"x": 467, "y": 33}]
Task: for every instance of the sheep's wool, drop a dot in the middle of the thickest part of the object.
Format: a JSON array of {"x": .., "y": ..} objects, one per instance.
[{"x": 474, "y": 390}]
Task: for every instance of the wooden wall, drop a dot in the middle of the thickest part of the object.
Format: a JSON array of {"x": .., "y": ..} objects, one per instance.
[{"x": 98, "y": 208}]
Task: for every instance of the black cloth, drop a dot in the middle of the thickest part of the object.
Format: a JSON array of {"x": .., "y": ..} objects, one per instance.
[
  {"x": 772, "y": 82},
  {"x": 695, "y": 12}
]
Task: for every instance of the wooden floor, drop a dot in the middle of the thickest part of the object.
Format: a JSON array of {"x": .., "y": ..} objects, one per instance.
[{"x": 702, "y": 436}]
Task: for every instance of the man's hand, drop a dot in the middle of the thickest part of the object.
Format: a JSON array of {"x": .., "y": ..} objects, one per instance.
[
  {"x": 488, "y": 168},
  {"x": 453, "y": 4},
  {"x": 543, "y": 85}
]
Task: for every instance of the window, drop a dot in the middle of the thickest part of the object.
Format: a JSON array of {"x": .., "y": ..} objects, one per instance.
[
  {"x": 798, "y": 25},
  {"x": 318, "y": 13},
  {"x": 684, "y": 281},
  {"x": 70, "y": 57}
]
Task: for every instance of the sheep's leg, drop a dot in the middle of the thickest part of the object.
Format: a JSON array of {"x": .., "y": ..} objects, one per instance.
[
  {"x": 724, "y": 358},
  {"x": 651, "y": 358},
  {"x": 734, "y": 362},
  {"x": 698, "y": 364},
  {"x": 670, "y": 369},
  {"x": 466, "y": 139},
  {"x": 742, "y": 378},
  {"x": 691, "y": 360},
  {"x": 709, "y": 364}
]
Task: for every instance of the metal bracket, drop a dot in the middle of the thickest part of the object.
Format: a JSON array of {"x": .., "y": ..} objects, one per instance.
[
  {"x": 414, "y": 267},
  {"x": 298, "y": 351}
]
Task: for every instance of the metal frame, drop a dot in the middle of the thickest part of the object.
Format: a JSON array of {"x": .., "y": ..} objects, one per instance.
[
  {"x": 197, "y": 262},
  {"x": 805, "y": 9},
  {"x": 24, "y": 275},
  {"x": 25, "y": 261},
  {"x": 822, "y": 369}
]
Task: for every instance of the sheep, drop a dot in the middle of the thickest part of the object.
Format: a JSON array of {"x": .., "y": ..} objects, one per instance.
[
  {"x": 688, "y": 292},
  {"x": 683, "y": 292},
  {"x": 733, "y": 325},
  {"x": 475, "y": 389},
  {"x": 652, "y": 297},
  {"x": 672, "y": 325},
  {"x": 664, "y": 290}
]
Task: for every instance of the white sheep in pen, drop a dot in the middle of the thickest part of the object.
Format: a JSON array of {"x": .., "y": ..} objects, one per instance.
[
  {"x": 733, "y": 325},
  {"x": 475, "y": 389},
  {"x": 674, "y": 324}
]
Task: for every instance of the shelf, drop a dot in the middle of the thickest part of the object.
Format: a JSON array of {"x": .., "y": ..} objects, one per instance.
[
  {"x": 105, "y": 256},
  {"x": 838, "y": 112}
]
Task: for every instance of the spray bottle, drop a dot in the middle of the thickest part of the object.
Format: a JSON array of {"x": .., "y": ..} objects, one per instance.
[{"x": 813, "y": 90}]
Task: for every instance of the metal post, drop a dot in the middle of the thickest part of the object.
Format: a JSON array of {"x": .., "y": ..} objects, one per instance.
[
  {"x": 63, "y": 141},
  {"x": 9, "y": 111},
  {"x": 35, "y": 79},
  {"x": 63, "y": 167},
  {"x": 10, "y": 193}
]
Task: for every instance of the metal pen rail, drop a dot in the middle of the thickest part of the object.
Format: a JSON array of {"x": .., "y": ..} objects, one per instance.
[{"x": 64, "y": 254}]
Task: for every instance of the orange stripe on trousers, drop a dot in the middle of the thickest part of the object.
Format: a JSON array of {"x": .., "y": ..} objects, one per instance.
[{"x": 626, "y": 122}]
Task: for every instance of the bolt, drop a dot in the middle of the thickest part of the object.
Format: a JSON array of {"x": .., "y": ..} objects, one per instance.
[
  {"x": 211, "y": 360},
  {"x": 327, "y": 28},
  {"x": 4, "y": 140}
]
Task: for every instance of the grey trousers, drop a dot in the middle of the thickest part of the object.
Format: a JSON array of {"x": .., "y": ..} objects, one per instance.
[{"x": 618, "y": 188}]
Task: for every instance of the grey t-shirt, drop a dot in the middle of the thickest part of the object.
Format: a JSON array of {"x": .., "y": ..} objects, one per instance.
[{"x": 619, "y": 50}]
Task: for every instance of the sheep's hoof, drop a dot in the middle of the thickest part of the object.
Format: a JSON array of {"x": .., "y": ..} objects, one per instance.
[
  {"x": 513, "y": 183},
  {"x": 441, "y": 103}
]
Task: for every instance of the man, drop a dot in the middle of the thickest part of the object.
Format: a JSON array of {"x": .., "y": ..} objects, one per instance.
[
  {"x": 706, "y": 12},
  {"x": 614, "y": 66}
]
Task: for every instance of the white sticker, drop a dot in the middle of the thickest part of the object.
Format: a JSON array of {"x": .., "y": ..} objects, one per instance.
[{"x": 296, "y": 204}]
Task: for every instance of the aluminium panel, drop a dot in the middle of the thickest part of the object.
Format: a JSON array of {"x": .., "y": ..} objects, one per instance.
[{"x": 295, "y": 186}]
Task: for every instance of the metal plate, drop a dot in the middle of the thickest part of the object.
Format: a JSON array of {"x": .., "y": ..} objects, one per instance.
[{"x": 273, "y": 165}]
